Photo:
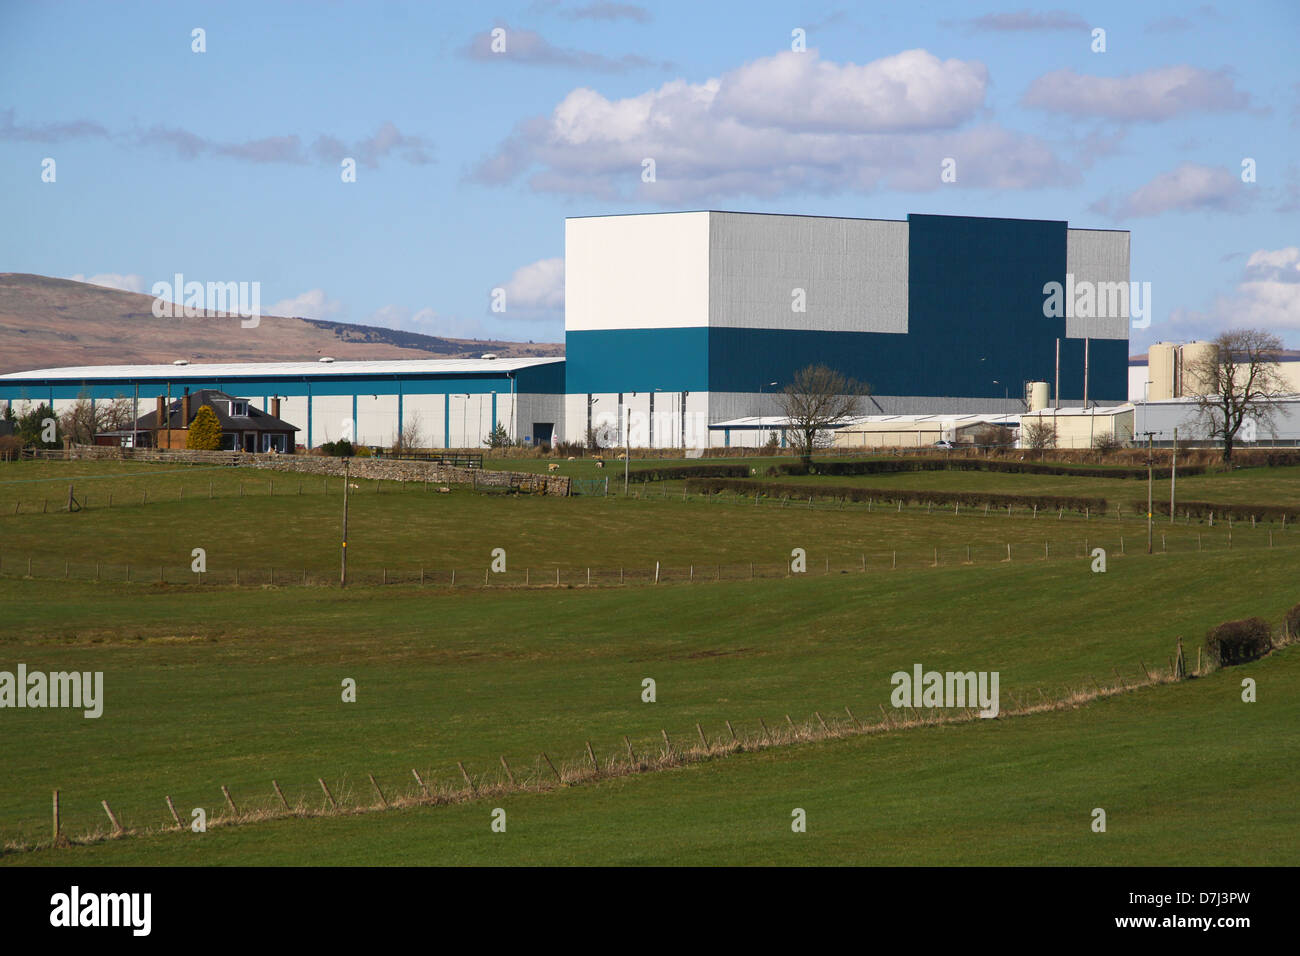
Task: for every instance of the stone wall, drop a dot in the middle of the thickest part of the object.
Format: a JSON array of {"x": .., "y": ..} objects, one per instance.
[
  {"x": 386, "y": 468},
  {"x": 392, "y": 470}
]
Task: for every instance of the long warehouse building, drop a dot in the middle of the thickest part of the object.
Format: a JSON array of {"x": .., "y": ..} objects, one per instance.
[{"x": 678, "y": 323}]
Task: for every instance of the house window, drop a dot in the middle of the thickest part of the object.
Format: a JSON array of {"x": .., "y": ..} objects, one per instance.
[{"x": 238, "y": 409}]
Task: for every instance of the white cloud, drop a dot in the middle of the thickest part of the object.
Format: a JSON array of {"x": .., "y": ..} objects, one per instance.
[
  {"x": 912, "y": 90},
  {"x": 1155, "y": 95},
  {"x": 1188, "y": 188},
  {"x": 312, "y": 304},
  {"x": 426, "y": 321},
  {"x": 536, "y": 290},
  {"x": 789, "y": 122},
  {"x": 1268, "y": 296},
  {"x": 114, "y": 280}
]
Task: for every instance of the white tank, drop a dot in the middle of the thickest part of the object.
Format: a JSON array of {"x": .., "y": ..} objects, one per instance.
[
  {"x": 1195, "y": 358},
  {"x": 1038, "y": 395},
  {"x": 1161, "y": 362}
]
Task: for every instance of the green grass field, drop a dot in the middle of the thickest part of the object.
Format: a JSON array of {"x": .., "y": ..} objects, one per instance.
[
  {"x": 211, "y": 685},
  {"x": 257, "y": 522},
  {"x": 1009, "y": 792}
]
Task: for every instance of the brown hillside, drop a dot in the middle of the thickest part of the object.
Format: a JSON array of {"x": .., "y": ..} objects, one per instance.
[{"x": 47, "y": 323}]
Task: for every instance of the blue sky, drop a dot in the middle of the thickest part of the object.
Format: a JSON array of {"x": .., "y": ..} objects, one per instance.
[{"x": 225, "y": 165}]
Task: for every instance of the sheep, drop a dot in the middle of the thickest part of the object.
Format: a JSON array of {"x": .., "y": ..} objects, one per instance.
[
  {"x": 600, "y": 463},
  {"x": 553, "y": 467}
]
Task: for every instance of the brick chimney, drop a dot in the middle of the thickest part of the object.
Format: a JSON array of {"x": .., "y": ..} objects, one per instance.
[
  {"x": 185, "y": 409},
  {"x": 160, "y": 422},
  {"x": 275, "y": 407}
]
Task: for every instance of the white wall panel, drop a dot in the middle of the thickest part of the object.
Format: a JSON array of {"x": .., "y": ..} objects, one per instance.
[
  {"x": 636, "y": 272},
  {"x": 331, "y": 418},
  {"x": 377, "y": 420}
]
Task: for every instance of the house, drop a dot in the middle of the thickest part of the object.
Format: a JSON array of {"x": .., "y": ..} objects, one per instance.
[{"x": 244, "y": 427}]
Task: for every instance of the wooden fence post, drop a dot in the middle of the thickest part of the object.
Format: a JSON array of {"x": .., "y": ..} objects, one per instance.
[{"x": 175, "y": 816}]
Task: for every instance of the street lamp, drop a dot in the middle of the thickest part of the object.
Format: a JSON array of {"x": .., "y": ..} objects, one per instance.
[
  {"x": 652, "y": 416},
  {"x": 760, "y": 407}
]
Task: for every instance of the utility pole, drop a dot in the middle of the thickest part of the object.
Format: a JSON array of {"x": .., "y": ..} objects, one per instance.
[
  {"x": 1173, "y": 477},
  {"x": 1150, "y": 464},
  {"x": 627, "y": 447},
  {"x": 1057, "y": 404},
  {"x": 343, "y": 573}
]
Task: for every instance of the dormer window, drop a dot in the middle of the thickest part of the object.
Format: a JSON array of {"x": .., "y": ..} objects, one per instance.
[{"x": 238, "y": 408}]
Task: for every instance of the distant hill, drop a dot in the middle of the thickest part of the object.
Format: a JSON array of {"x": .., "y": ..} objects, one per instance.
[{"x": 47, "y": 323}]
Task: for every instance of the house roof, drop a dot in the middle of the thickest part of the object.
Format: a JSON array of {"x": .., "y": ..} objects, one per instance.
[{"x": 256, "y": 419}]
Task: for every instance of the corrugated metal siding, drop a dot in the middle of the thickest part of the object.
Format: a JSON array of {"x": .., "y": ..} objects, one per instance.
[
  {"x": 1099, "y": 256},
  {"x": 853, "y": 273}
]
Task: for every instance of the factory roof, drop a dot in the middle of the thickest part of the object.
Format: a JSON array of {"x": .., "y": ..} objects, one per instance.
[{"x": 228, "y": 370}]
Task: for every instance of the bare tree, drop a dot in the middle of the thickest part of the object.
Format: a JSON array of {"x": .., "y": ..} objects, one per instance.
[
  {"x": 995, "y": 436},
  {"x": 817, "y": 399},
  {"x": 1038, "y": 435},
  {"x": 409, "y": 438},
  {"x": 86, "y": 418},
  {"x": 1240, "y": 383}
]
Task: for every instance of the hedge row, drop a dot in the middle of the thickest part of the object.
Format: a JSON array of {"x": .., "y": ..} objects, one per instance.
[
  {"x": 669, "y": 473},
  {"x": 893, "y": 495},
  {"x": 1203, "y": 509},
  {"x": 1239, "y": 642},
  {"x": 894, "y": 466}
]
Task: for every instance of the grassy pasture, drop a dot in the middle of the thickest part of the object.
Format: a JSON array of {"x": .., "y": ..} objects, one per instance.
[
  {"x": 1263, "y": 485},
  {"x": 210, "y": 685},
  {"x": 401, "y": 527},
  {"x": 990, "y": 793},
  {"x": 214, "y": 686}
]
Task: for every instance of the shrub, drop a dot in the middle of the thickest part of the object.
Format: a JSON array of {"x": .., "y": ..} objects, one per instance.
[
  {"x": 570, "y": 449},
  {"x": 338, "y": 449},
  {"x": 1106, "y": 443},
  {"x": 204, "y": 433},
  {"x": 1291, "y": 623},
  {"x": 11, "y": 447},
  {"x": 1237, "y": 642}
]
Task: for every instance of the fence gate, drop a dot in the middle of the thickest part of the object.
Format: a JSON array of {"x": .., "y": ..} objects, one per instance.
[{"x": 589, "y": 486}]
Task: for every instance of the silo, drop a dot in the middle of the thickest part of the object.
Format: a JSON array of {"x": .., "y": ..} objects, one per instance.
[
  {"x": 1161, "y": 360},
  {"x": 1196, "y": 362},
  {"x": 1038, "y": 395}
]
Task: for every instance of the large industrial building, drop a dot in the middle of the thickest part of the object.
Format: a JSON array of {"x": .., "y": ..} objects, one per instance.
[{"x": 678, "y": 325}]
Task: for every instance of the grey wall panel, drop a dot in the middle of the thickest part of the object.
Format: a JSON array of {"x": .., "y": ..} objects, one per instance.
[
  {"x": 853, "y": 272},
  {"x": 1097, "y": 256}
]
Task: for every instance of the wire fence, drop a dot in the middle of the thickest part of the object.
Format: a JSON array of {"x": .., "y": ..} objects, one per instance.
[
  {"x": 14, "y": 565},
  {"x": 84, "y": 494}
]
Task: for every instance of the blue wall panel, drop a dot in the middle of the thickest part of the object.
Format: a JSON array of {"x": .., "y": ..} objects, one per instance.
[{"x": 637, "y": 360}]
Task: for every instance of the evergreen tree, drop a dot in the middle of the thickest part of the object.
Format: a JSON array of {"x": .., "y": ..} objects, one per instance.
[{"x": 205, "y": 431}]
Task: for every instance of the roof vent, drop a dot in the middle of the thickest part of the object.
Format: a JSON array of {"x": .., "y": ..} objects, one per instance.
[
  {"x": 181, "y": 362},
  {"x": 488, "y": 355},
  {"x": 326, "y": 359}
]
